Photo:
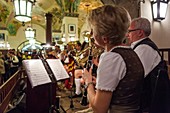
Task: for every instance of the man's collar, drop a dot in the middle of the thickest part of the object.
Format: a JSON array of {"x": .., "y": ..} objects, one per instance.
[{"x": 134, "y": 43}]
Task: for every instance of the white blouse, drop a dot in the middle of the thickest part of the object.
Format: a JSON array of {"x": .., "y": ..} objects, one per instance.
[{"x": 111, "y": 70}]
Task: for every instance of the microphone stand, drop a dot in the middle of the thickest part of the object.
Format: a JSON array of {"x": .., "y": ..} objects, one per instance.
[{"x": 71, "y": 99}]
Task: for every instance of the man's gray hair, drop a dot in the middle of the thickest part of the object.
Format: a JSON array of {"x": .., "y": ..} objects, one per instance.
[{"x": 143, "y": 24}]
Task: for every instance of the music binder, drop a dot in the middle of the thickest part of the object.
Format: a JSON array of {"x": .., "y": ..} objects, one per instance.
[{"x": 38, "y": 75}]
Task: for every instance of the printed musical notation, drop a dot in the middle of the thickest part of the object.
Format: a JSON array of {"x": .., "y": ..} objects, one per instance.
[
  {"x": 37, "y": 73},
  {"x": 57, "y": 69}
]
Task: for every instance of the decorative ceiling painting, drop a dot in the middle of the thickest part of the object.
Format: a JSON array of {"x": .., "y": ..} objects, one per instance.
[
  {"x": 4, "y": 12},
  {"x": 58, "y": 8}
]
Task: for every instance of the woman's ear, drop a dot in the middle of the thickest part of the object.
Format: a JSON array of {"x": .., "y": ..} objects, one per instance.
[{"x": 105, "y": 39}]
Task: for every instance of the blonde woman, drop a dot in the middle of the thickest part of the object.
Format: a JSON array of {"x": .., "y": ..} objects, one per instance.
[{"x": 120, "y": 72}]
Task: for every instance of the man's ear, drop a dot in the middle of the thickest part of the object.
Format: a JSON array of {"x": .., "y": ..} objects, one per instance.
[{"x": 141, "y": 33}]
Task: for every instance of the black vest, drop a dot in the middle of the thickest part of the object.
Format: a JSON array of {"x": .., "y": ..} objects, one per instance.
[
  {"x": 156, "y": 89},
  {"x": 127, "y": 93},
  {"x": 149, "y": 42}
]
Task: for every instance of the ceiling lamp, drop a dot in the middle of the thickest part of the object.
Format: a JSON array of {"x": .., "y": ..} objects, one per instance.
[
  {"x": 159, "y": 9},
  {"x": 23, "y": 9},
  {"x": 30, "y": 33}
]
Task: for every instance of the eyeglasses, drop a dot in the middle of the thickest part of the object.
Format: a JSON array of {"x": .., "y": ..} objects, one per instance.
[{"x": 131, "y": 30}]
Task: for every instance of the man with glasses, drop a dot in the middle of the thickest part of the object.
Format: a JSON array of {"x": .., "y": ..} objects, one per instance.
[
  {"x": 138, "y": 37},
  {"x": 138, "y": 31}
]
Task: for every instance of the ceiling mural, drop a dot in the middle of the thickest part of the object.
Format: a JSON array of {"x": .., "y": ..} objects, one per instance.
[
  {"x": 58, "y": 8},
  {"x": 132, "y": 6},
  {"x": 4, "y": 13},
  {"x": 7, "y": 20}
]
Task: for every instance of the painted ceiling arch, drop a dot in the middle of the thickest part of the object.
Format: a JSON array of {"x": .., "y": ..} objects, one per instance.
[{"x": 58, "y": 8}]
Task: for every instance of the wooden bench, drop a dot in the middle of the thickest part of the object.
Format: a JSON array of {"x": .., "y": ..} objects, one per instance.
[{"x": 7, "y": 90}]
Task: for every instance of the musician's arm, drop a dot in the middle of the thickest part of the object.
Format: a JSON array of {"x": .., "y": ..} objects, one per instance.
[
  {"x": 99, "y": 100},
  {"x": 108, "y": 78}
]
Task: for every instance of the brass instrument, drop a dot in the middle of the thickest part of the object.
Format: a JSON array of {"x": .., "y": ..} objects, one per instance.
[{"x": 82, "y": 56}]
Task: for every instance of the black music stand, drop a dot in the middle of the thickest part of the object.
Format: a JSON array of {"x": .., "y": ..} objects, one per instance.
[
  {"x": 71, "y": 96},
  {"x": 57, "y": 106},
  {"x": 43, "y": 92}
]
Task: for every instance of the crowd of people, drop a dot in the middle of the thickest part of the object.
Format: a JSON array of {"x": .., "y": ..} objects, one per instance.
[
  {"x": 11, "y": 60},
  {"x": 9, "y": 64}
]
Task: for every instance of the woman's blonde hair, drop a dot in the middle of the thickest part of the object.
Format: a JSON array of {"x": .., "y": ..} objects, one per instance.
[{"x": 110, "y": 21}]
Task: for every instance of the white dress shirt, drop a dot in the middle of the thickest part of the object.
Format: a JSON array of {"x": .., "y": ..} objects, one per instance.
[{"x": 148, "y": 56}]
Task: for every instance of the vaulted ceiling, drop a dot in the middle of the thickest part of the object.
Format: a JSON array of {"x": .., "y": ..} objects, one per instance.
[{"x": 58, "y": 8}]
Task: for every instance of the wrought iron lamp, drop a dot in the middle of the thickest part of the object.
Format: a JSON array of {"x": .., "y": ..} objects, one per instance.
[
  {"x": 30, "y": 33},
  {"x": 159, "y": 9},
  {"x": 23, "y": 10}
]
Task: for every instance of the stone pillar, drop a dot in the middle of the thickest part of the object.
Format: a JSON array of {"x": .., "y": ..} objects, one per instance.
[{"x": 48, "y": 28}]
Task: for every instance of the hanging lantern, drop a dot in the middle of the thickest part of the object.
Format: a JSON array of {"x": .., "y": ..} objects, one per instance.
[
  {"x": 30, "y": 33},
  {"x": 23, "y": 9},
  {"x": 159, "y": 9}
]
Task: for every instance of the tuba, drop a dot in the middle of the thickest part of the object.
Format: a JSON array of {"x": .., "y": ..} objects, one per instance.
[{"x": 82, "y": 57}]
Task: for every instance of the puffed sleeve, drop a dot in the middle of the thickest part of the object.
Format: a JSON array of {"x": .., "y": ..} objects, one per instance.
[{"x": 110, "y": 71}]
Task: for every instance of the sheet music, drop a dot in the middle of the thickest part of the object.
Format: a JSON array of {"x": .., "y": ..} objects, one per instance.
[
  {"x": 36, "y": 72},
  {"x": 57, "y": 69}
]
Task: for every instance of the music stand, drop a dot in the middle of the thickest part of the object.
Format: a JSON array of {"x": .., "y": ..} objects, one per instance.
[
  {"x": 41, "y": 84},
  {"x": 57, "y": 106},
  {"x": 71, "y": 96}
]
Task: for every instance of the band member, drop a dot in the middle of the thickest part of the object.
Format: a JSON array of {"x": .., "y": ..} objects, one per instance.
[
  {"x": 70, "y": 62},
  {"x": 78, "y": 73},
  {"x": 120, "y": 72},
  {"x": 54, "y": 54}
]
